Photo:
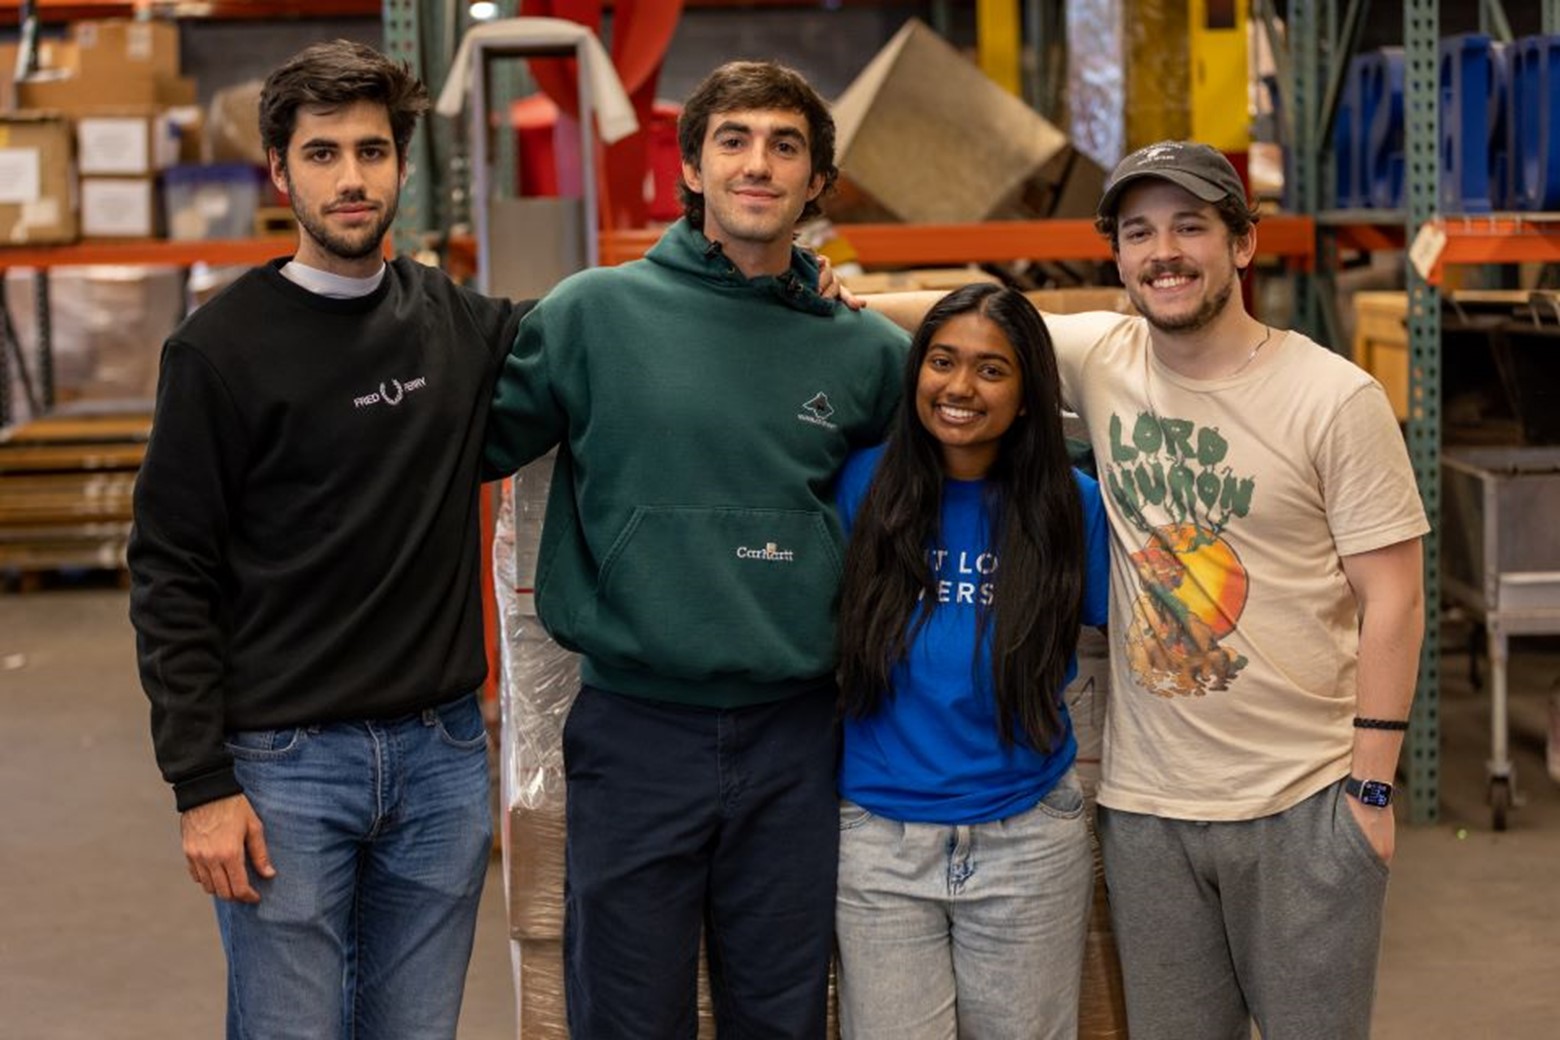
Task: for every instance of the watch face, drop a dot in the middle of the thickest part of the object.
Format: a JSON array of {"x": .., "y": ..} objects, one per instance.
[{"x": 1376, "y": 793}]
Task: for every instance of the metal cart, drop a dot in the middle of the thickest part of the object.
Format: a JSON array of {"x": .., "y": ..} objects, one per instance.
[{"x": 1501, "y": 561}]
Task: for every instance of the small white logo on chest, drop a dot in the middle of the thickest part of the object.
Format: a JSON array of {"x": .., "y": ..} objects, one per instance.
[{"x": 391, "y": 393}]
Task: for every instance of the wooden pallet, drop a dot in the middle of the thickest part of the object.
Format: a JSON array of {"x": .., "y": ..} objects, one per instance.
[{"x": 66, "y": 485}]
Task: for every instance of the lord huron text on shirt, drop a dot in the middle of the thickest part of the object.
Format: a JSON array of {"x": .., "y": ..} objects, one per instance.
[{"x": 1175, "y": 464}]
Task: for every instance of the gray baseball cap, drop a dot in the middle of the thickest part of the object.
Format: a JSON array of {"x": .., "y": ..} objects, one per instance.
[{"x": 1199, "y": 168}]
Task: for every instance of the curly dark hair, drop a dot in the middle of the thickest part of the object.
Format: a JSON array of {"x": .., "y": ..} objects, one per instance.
[
  {"x": 755, "y": 85},
  {"x": 334, "y": 74}
]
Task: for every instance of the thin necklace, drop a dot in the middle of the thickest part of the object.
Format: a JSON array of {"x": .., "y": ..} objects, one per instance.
[
  {"x": 1267, "y": 333},
  {"x": 1148, "y": 363}
]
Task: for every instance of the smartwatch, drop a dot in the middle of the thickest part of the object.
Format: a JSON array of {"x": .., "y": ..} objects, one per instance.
[{"x": 1375, "y": 793}]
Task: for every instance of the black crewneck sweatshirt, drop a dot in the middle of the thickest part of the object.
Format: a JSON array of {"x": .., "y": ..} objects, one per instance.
[{"x": 306, "y": 542}]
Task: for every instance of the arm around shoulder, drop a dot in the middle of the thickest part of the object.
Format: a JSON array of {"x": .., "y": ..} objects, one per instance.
[{"x": 526, "y": 418}]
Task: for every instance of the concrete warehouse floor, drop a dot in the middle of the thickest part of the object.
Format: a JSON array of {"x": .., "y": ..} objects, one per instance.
[{"x": 103, "y": 935}]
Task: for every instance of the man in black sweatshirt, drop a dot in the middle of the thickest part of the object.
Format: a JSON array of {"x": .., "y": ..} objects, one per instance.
[{"x": 305, "y": 586}]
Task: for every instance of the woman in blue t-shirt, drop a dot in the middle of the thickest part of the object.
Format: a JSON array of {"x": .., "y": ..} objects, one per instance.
[{"x": 976, "y": 551}]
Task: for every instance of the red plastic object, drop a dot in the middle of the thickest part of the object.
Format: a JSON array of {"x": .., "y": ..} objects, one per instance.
[{"x": 641, "y": 31}]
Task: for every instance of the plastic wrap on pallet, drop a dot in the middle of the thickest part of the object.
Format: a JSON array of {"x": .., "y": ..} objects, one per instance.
[
  {"x": 1096, "y": 79},
  {"x": 1085, "y": 699},
  {"x": 107, "y": 324},
  {"x": 540, "y": 678},
  {"x": 1122, "y": 55},
  {"x": 539, "y": 681}
]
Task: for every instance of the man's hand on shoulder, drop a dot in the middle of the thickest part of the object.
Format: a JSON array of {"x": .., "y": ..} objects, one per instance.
[
  {"x": 220, "y": 839},
  {"x": 831, "y": 288}
]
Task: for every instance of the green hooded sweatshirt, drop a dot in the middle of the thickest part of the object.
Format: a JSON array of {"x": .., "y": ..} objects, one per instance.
[{"x": 691, "y": 550}]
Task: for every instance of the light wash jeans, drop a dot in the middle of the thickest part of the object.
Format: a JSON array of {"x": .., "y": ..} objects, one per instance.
[
  {"x": 380, "y": 833},
  {"x": 969, "y": 931}
]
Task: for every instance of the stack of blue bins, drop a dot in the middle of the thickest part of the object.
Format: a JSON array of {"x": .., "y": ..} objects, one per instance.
[{"x": 1499, "y": 127}]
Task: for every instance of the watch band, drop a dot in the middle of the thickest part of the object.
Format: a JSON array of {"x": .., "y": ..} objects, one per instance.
[{"x": 1375, "y": 793}]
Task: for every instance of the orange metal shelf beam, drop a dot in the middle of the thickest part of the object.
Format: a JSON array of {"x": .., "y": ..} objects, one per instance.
[
  {"x": 1498, "y": 238},
  {"x": 892, "y": 245},
  {"x": 246, "y": 251},
  {"x": 54, "y": 11}
]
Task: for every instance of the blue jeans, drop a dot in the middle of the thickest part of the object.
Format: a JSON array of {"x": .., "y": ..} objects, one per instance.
[
  {"x": 682, "y": 818},
  {"x": 972, "y": 930},
  {"x": 380, "y": 833}
]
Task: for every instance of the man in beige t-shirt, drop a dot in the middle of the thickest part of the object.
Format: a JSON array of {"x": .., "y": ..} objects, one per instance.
[{"x": 1266, "y": 619}]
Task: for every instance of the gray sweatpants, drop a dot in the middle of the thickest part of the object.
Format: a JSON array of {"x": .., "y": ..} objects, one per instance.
[{"x": 1276, "y": 919}]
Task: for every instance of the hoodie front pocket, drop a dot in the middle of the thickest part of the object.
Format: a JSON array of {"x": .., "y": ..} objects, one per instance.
[{"x": 697, "y": 591}]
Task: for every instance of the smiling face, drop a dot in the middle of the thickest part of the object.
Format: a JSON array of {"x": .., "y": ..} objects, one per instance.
[
  {"x": 1175, "y": 255},
  {"x": 755, "y": 173},
  {"x": 969, "y": 391},
  {"x": 343, "y": 178}
]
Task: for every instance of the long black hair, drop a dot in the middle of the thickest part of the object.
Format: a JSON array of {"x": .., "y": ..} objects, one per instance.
[{"x": 1036, "y": 525}]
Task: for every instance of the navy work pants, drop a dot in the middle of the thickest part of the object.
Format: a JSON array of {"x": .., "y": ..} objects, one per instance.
[{"x": 682, "y": 819}]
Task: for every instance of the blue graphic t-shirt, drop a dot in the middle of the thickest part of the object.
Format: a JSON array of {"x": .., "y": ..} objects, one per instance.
[{"x": 931, "y": 753}]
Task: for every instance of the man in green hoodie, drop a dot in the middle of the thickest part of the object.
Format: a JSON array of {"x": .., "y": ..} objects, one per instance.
[{"x": 703, "y": 400}]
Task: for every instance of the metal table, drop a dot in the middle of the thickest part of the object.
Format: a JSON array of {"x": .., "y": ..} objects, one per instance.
[{"x": 1501, "y": 561}]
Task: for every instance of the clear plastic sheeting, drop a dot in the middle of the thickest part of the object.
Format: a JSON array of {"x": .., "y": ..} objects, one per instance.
[
  {"x": 107, "y": 324},
  {"x": 1097, "y": 79},
  {"x": 540, "y": 678}
]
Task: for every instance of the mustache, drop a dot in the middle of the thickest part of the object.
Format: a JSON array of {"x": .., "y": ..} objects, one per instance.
[
  {"x": 356, "y": 198},
  {"x": 1168, "y": 267}
]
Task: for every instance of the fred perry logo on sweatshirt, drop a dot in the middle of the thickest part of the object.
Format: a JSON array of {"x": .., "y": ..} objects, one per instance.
[
  {"x": 391, "y": 394},
  {"x": 817, "y": 410}
]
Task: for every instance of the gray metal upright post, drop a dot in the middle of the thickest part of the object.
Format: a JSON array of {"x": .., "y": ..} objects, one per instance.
[{"x": 1421, "y": 29}]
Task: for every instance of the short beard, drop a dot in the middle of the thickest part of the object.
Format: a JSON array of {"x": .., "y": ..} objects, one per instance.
[
  {"x": 1198, "y": 319},
  {"x": 336, "y": 245}
]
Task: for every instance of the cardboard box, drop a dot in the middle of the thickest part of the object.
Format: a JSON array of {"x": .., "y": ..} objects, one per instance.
[
  {"x": 116, "y": 46},
  {"x": 120, "y": 207},
  {"x": 1068, "y": 186},
  {"x": 131, "y": 142},
  {"x": 1081, "y": 299},
  {"x": 928, "y": 136},
  {"x": 77, "y": 94},
  {"x": 539, "y": 996},
  {"x": 915, "y": 279},
  {"x": 37, "y": 200},
  {"x": 1086, "y": 699},
  {"x": 110, "y": 64},
  {"x": 51, "y": 54},
  {"x": 533, "y": 847}
]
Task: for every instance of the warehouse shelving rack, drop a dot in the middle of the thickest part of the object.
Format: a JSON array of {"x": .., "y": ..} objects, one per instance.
[{"x": 1320, "y": 48}]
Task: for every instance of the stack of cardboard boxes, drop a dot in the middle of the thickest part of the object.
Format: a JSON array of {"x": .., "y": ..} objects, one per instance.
[{"x": 110, "y": 94}]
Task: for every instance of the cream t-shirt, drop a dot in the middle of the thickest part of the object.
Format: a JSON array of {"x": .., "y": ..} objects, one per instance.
[{"x": 1234, "y": 633}]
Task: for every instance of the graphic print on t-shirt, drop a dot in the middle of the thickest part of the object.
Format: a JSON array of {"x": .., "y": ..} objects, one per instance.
[
  {"x": 963, "y": 578},
  {"x": 1168, "y": 477}
]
